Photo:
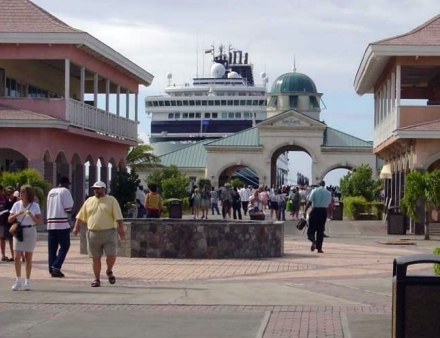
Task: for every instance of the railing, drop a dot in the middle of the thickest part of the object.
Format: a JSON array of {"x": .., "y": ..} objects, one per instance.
[
  {"x": 85, "y": 116},
  {"x": 386, "y": 127}
]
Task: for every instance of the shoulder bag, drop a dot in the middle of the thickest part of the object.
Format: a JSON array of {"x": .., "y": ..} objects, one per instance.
[{"x": 16, "y": 228}]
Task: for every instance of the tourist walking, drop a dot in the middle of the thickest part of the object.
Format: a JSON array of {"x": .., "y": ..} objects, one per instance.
[
  {"x": 236, "y": 203},
  {"x": 319, "y": 200},
  {"x": 5, "y": 236},
  {"x": 59, "y": 207},
  {"x": 197, "y": 201},
  {"x": 28, "y": 214},
  {"x": 140, "y": 200},
  {"x": 245, "y": 193},
  {"x": 153, "y": 202},
  {"x": 206, "y": 200},
  {"x": 103, "y": 216},
  {"x": 214, "y": 201}
]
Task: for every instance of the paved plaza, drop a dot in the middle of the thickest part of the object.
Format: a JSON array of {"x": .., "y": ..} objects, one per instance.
[{"x": 345, "y": 292}]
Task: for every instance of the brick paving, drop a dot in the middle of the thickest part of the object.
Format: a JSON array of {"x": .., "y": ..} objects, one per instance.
[{"x": 357, "y": 259}]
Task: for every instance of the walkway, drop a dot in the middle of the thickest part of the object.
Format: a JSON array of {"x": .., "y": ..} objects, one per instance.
[{"x": 345, "y": 292}]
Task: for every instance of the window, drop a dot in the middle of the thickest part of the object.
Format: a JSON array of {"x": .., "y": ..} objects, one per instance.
[
  {"x": 293, "y": 101},
  {"x": 223, "y": 102},
  {"x": 247, "y": 115},
  {"x": 214, "y": 115},
  {"x": 167, "y": 103},
  {"x": 248, "y": 102},
  {"x": 198, "y": 115},
  {"x": 173, "y": 103},
  {"x": 170, "y": 115},
  {"x": 161, "y": 104},
  {"x": 179, "y": 103},
  {"x": 210, "y": 103},
  {"x": 177, "y": 115},
  {"x": 262, "y": 102},
  {"x": 230, "y": 115},
  {"x": 185, "y": 115},
  {"x": 242, "y": 102},
  {"x": 204, "y": 103},
  {"x": 217, "y": 102},
  {"x": 224, "y": 115},
  {"x": 236, "y": 102},
  {"x": 148, "y": 103},
  {"x": 238, "y": 115},
  {"x": 231, "y": 94},
  {"x": 191, "y": 115},
  {"x": 273, "y": 101},
  {"x": 207, "y": 115},
  {"x": 155, "y": 103},
  {"x": 185, "y": 102},
  {"x": 314, "y": 103},
  {"x": 198, "y": 102},
  {"x": 191, "y": 103},
  {"x": 255, "y": 102},
  {"x": 230, "y": 102}
]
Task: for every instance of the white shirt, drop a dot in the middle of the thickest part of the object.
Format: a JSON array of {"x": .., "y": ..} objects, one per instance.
[
  {"x": 25, "y": 220},
  {"x": 59, "y": 204},
  {"x": 244, "y": 194},
  {"x": 140, "y": 195}
]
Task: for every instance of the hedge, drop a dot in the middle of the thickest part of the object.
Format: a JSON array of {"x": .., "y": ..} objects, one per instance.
[
  {"x": 437, "y": 266},
  {"x": 356, "y": 208}
]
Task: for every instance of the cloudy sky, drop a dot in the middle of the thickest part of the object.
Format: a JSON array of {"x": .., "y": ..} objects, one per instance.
[{"x": 328, "y": 39}]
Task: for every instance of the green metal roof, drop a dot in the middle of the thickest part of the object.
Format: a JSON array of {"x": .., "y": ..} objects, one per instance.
[
  {"x": 192, "y": 156},
  {"x": 246, "y": 138},
  {"x": 293, "y": 82},
  {"x": 336, "y": 138}
]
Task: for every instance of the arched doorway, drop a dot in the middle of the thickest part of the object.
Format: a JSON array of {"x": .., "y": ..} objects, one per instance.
[
  {"x": 334, "y": 175},
  {"x": 290, "y": 165},
  {"x": 241, "y": 172},
  {"x": 12, "y": 160}
]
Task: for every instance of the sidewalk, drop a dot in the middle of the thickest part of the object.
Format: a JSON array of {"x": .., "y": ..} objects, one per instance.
[{"x": 345, "y": 292}]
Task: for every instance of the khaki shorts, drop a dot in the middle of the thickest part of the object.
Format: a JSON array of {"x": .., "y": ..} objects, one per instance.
[{"x": 102, "y": 241}]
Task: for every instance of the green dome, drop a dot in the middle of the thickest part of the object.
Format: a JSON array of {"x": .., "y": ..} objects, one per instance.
[{"x": 293, "y": 82}]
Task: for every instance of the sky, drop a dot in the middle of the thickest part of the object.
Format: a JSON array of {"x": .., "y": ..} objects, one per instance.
[{"x": 327, "y": 39}]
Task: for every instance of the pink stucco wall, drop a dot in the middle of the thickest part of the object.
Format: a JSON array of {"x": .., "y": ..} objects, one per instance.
[
  {"x": 411, "y": 115},
  {"x": 426, "y": 149},
  {"x": 76, "y": 55},
  {"x": 52, "y": 107},
  {"x": 33, "y": 144}
]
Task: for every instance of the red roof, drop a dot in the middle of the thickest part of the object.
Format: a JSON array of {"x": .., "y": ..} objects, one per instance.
[
  {"x": 10, "y": 113},
  {"x": 427, "y": 34},
  {"x": 23, "y": 16},
  {"x": 426, "y": 126}
]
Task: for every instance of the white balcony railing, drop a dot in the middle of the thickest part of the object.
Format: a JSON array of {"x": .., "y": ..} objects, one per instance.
[
  {"x": 85, "y": 116},
  {"x": 386, "y": 127}
]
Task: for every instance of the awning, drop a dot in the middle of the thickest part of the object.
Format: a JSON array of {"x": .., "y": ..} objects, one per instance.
[{"x": 386, "y": 171}]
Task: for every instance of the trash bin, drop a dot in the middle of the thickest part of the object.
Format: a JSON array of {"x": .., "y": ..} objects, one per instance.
[
  {"x": 338, "y": 212},
  {"x": 175, "y": 208},
  {"x": 416, "y": 299},
  {"x": 396, "y": 222}
]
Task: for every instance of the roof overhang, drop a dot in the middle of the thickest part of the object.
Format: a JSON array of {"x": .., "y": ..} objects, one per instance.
[
  {"x": 377, "y": 56},
  {"x": 35, "y": 123},
  {"x": 86, "y": 42},
  {"x": 418, "y": 134}
]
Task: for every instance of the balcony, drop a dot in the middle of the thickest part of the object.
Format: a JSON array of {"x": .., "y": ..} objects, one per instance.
[
  {"x": 78, "y": 114},
  {"x": 386, "y": 127}
]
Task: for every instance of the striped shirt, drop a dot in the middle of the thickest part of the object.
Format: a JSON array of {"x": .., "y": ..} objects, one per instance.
[{"x": 59, "y": 204}]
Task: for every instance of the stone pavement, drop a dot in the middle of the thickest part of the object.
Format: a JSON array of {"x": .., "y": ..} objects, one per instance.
[{"x": 345, "y": 292}]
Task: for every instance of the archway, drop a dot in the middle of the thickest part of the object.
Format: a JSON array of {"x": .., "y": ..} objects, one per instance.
[
  {"x": 243, "y": 172},
  {"x": 334, "y": 173},
  {"x": 290, "y": 165},
  {"x": 11, "y": 160}
]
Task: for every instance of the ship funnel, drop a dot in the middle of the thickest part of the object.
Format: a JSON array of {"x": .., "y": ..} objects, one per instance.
[
  {"x": 235, "y": 58},
  {"x": 230, "y": 57},
  {"x": 246, "y": 58},
  {"x": 239, "y": 59}
]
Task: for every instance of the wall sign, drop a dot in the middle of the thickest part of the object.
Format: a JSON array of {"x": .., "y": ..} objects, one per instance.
[{"x": 290, "y": 122}]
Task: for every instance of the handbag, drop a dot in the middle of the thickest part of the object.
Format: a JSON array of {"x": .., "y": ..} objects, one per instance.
[
  {"x": 16, "y": 228},
  {"x": 301, "y": 224}
]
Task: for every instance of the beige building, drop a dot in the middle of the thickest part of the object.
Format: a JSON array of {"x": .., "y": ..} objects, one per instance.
[{"x": 293, "y": 124}]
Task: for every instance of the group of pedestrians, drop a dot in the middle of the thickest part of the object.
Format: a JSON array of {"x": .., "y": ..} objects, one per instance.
[{"x": 101, "y": 213}]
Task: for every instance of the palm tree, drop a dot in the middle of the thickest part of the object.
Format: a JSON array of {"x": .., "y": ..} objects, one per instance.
[
  {"x": 423, "y": 187},
  {"x": 141, "y": 157}
]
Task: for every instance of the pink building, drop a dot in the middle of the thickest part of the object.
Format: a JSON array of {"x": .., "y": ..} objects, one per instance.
[
  {"x": 403, "y": 74},
  {"x": 46, "y": 70}
]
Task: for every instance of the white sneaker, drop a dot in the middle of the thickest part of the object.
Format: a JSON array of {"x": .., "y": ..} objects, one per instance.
[
  {"x": 27, "y": 286},
  {"x": 16, "y": 286}
]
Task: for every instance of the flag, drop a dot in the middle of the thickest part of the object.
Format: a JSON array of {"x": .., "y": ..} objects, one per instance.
[
  {"x": 208, "y": 51},
  {"x": 205, "y": 122}
]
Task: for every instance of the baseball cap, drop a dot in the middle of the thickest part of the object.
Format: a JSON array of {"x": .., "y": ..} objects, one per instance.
[{"x": 99, "y": 184}]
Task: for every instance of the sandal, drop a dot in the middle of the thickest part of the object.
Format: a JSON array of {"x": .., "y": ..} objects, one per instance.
[
  {"x": 96, "y": 283},
  {"x": 111, "y": 277},
  {"x": 11, "y": 259},
  {"x": 4, "y": 259}
]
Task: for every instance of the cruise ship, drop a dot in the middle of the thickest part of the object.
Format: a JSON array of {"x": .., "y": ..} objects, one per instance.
[{"x": 226, "y": 102}]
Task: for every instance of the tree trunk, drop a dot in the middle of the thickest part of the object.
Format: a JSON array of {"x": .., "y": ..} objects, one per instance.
[{"x": 426, "y": 222}]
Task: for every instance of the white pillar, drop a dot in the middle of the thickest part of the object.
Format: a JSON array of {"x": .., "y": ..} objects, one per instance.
[
  {"x": 380, "y": 105},
  {"x": 393, "y": 90},
  {"x": 388, "y": 96},
  {"x": 398, "y": 82},
  {"x": 107, "y": 95},
  {"x": 67, "y": 85},
  {"x": 118, "y": 99},
  {"x": 82, "y": 84},
  {"x": 95, "y": 90},
  {"x": 127, "y": 103},
  {"x": 136, "y": 116},
  {"x": 384, "y": 95}
]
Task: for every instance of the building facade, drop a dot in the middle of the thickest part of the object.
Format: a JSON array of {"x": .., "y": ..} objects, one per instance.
[{"x": 51, "y": 76}]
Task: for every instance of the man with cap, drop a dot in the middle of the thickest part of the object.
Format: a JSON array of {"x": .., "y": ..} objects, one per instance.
[
  {"x": 319, "y": 200},
  {"x": 103, "y": 216},
  {"x": 59, "y": 207}
]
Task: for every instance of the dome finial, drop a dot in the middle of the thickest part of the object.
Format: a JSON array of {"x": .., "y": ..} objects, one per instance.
[{"x": 294, "y": 64}]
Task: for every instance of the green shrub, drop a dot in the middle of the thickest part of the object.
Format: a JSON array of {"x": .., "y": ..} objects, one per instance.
[
  {"x": 437, "y": 266},
  {"x": 354, "y": 206}
]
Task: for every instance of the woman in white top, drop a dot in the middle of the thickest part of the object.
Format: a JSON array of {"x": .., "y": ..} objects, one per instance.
[{"x": 27, "y": 212}]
